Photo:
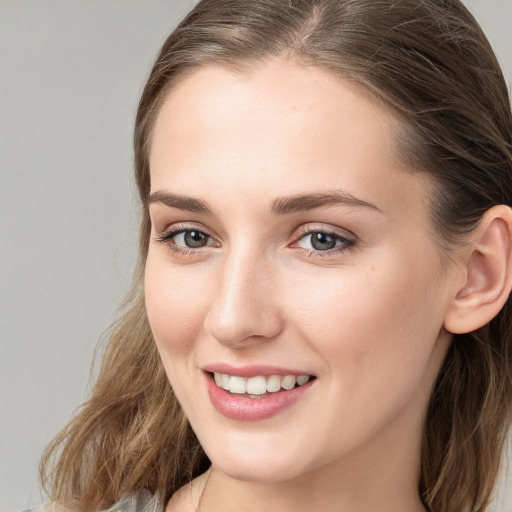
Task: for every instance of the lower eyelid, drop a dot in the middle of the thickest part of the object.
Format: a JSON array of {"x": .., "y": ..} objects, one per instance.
[{"x": 329, "y": 253}]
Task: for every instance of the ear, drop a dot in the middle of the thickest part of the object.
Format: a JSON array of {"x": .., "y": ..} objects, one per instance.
[{"x": 488, "y": 273}]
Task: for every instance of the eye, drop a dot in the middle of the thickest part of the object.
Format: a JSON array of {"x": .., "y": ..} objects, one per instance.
[
  {"x": 191, "y": 239},
  {"x": 323, "y": 241},
  {"x": 320, "y": 241},
  {"x": 180, "y": 238}
]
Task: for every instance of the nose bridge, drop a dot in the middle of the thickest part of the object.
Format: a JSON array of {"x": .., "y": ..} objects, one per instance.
[{"x": 243, "y": 306}]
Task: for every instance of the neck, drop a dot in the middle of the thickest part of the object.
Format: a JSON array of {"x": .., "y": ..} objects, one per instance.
[{"x": 335, "y": 494}]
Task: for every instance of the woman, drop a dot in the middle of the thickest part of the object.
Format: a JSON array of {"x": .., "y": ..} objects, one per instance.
[{"x": 320, "y": 315}]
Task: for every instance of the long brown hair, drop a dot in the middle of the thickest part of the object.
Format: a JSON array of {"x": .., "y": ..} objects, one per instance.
[{"x": 430, "y": 63}]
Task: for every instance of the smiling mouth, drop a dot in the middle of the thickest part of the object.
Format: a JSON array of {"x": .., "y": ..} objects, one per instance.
[{"x": 259, "y": 386}]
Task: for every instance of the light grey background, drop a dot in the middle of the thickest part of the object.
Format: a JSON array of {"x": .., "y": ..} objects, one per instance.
[{"x": 71, "y": 72}]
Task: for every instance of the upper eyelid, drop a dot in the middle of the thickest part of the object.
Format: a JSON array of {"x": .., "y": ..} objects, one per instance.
[
  {"x": 303, "y": 230},
  {"x": 309, "y": 228},
  {"x": 179, "y": 227}
]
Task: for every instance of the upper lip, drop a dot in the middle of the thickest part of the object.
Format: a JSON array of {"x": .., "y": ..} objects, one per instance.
[{"x": 252, "y": 370}]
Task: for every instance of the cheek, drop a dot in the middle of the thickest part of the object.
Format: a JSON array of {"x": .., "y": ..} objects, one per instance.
[
  {"x": 176, "y": 304},
  {"x": 376, "y": 332},
  {"x": 370, "y": 322}
]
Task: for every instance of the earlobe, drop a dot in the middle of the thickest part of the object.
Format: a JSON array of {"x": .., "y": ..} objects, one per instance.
[{"x": 488, "y": 273}]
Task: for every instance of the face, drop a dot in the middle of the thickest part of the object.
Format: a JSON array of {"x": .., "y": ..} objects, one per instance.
[{"x": 291, "y": 262}]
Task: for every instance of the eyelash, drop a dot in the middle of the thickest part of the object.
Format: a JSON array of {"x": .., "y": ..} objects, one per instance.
[
  {"x": 176, "y": 230},
  {"x": 346, "y": 243}
]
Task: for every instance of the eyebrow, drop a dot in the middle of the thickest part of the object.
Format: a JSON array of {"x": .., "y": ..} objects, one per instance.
[
  {"x": 280, "y": 206},
  {"x": 299, "y": 203},
  {"x": 181, "y": 202}
]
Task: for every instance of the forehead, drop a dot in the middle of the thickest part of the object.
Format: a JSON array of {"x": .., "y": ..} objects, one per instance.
[
  {"x": 282, "y": 123},
  {"x": 272, "y": 98}
]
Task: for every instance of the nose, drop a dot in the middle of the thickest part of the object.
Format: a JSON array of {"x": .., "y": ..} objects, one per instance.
[{"x": 244, "y": 309}]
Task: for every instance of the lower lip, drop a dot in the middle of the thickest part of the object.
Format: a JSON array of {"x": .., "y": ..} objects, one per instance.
[{"x": 243, "y": 408}]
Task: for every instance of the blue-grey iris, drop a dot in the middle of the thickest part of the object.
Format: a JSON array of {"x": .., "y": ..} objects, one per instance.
[
  {"x": 322, "y": 241},
  {"x": 194, "y": 239}
]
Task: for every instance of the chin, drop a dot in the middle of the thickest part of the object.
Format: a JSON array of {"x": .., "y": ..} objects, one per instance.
[
  {"x": 259, "y": 459},
  {"x": 263, "y": 471}
]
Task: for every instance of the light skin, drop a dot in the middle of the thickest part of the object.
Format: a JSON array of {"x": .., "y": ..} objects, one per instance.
[{"x": 232, "y": 157}]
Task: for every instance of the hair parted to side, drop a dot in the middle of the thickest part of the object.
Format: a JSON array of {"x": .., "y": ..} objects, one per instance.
[{"x": 430, "y": 63}]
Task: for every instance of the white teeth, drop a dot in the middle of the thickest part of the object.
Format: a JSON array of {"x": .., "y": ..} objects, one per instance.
[
  {"x": 259, "y": 385},
  {"x": 218, "y": 379},
  {"x": 288, "y": 382},
  {"x": 237, "y": 384},
  {"x": 273, "y": 383},
  {"x": 225, "y": 381},
  {"x": 256, "y": 386},
  {"x": 302, "y": 379}
]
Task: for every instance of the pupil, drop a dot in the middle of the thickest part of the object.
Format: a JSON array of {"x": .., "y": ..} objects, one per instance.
[
  {"x": 323, "y": 241},
  {"x": 195, "y": 239}
]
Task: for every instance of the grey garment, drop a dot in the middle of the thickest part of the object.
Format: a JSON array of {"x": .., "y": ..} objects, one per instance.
[{"x": 143, "y": 502}]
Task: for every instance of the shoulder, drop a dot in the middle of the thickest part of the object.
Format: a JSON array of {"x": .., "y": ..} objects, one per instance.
[
  {"x": 188, "y": 497},
  {"x": 180, "y": 500}
]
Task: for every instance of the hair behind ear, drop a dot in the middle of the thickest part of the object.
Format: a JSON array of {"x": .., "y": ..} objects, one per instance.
[
  {"x": 475, "y": 383},
  {"x": 461, "y": 450}
]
